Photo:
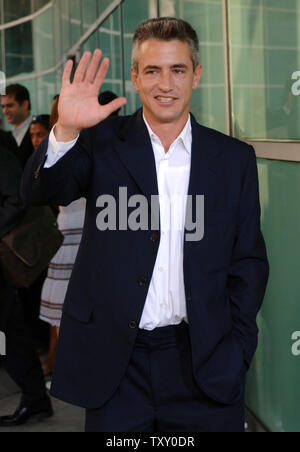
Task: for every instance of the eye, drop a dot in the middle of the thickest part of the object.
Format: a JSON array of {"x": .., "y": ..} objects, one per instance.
[{"x": 179, "y": 71}]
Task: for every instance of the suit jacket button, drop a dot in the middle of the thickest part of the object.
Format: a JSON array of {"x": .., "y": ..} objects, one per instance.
[
  {"x": 154, "y": 237},
  {"x": 132, "y": 324},
  {"x": 142, "y": 281}
]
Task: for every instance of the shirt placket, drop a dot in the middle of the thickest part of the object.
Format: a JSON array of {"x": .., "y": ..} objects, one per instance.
[{"x": 163, "y": 261}]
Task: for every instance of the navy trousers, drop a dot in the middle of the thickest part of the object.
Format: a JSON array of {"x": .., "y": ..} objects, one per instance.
[
  {"x": 158, "y": 393},
  {"x": 22, "y": 362}
]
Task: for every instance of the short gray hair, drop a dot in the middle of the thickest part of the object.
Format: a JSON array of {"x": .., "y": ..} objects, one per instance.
[{"x": 165, "y": 29}]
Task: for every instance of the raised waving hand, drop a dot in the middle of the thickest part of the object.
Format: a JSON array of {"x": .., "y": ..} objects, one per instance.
[{"x": 78, "y": 106}]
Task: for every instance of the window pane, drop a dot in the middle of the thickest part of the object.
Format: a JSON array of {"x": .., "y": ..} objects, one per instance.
[
  {"x": 46, "y": 90},
  {"x": 37, "y": 4},
  {"x": 133, "y": 14},
  {"x": 18, "y": 48},
  {"x": 31, "y": 86},
  {"x": 103, "y": 4},
  {"x": 57, "y": 32},
  {"x": 65, "y": 24},
  {"x": 109, "y": 42},
  {"x": 90, "y": 44},
  {"x": 43, "y": 41},
  {"x": 205, "y": 16},
  {"x": 14, "y": 9},
  {"x": 265, "y": 55},
  {"x": 75, "y": 20},
  {"x": 89, "y": 13}
]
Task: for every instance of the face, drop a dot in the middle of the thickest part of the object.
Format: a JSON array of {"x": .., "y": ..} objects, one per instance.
[
  {"x": 165, "y": 80},
  {"x": 14, "y": 112},
  {"x": 37, "y": 132}
]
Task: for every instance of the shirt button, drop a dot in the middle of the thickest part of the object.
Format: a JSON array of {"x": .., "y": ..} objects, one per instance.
[
  {"x": 132, "y": 324},
  {"x": 161, "y": 269},
  {"x": 163, "y": 305}
]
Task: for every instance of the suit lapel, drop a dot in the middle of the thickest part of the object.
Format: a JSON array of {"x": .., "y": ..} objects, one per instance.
[
  {"x": 203, "y": 170},
  {"x": 135, "y": 150}
]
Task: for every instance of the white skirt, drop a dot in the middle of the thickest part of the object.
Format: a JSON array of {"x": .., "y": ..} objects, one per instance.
[
  {"x": 70, "y": 222},
  {"x": 59, "y": 273}
]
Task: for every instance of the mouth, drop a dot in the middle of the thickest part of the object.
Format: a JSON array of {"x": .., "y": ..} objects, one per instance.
[{"x": 165, "y": 100}]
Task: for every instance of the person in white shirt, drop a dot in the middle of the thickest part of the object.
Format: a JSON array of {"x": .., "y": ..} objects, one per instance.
[{"x": 159, "y": 326}]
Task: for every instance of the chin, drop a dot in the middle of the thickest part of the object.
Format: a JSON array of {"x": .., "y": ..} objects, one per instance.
[{"x": 168, "y": 117}]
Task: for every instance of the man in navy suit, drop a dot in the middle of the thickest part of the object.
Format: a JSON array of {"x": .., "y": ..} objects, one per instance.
[
  {"x": 159, "y": 324},
  {"x": 16, "y": 108}
]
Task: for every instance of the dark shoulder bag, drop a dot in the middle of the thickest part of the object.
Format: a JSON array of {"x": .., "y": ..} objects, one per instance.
[{"x": 26, "y": 251}]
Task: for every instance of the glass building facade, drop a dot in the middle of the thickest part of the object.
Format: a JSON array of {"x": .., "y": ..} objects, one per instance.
[{"x": 250, "y": 52}]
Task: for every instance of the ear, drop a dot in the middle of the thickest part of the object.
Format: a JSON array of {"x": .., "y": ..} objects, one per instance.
[
  {"x": 25, "y": 105},
  {"x": 197, "y": 76},
  {"x": 134, "y": 79}
]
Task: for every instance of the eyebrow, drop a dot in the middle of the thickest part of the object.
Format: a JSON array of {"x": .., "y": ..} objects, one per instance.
[{"x": 174, "y": 66}]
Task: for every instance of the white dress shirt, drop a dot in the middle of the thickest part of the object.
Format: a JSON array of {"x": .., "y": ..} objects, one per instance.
[
  {"x": 20, "y": 131},
  {"x": 165, "y": 303}
]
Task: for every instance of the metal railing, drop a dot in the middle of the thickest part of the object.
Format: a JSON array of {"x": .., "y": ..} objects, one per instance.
[{"x": 74, "y": 50}]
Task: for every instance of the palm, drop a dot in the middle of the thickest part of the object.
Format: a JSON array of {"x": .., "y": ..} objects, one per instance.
[{"x": 78, "y": 101}]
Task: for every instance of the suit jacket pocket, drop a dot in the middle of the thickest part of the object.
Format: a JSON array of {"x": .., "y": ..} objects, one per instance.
[
  {"x": 81, "y": 310},
  {"x": 220, "y": 375}
]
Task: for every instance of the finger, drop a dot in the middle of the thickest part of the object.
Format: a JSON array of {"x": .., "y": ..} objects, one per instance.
[
  {"x": 112, "y": 106},
  {"x": 82, "y": 66},
  {"x": 93, "y": 66},
  {"x": 101, "y": 74},
  {"x": 67, "y": 73}
]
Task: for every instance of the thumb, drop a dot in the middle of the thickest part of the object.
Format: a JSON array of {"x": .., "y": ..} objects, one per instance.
[{"x": 114, "y": 105}]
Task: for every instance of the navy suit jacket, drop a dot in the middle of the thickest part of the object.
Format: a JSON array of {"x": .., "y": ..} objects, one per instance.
[
  {"x": 25, "y": 150},
  {"x": 225, "y": 273}
]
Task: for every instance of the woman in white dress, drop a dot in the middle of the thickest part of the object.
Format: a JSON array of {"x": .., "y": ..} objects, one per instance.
[{"x": 70, "y": 222}]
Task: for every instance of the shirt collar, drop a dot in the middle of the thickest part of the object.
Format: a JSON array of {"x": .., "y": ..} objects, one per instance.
[
  {"x": 20, "y": 131},
  {"x": 185, "y": 136},
  {"x": 25, "y": 124}
]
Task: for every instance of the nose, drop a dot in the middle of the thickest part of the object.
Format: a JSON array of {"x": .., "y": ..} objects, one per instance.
[
  {"x": 165, "y": 81},
  {"x": 35, "y": 142}
]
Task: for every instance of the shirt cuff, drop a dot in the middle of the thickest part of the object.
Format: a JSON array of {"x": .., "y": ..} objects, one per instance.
[{"x": 56, "y": 149}]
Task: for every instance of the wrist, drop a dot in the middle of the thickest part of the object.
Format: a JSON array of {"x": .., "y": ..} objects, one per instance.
[{"x": 65, "y": 134}]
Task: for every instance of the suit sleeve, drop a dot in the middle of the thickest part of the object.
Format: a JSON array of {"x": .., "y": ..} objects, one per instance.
[
  {"x": 10, "y": 201},
  {"x": 63, "y": 182},
  {"x": 249, "y": 265}
]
